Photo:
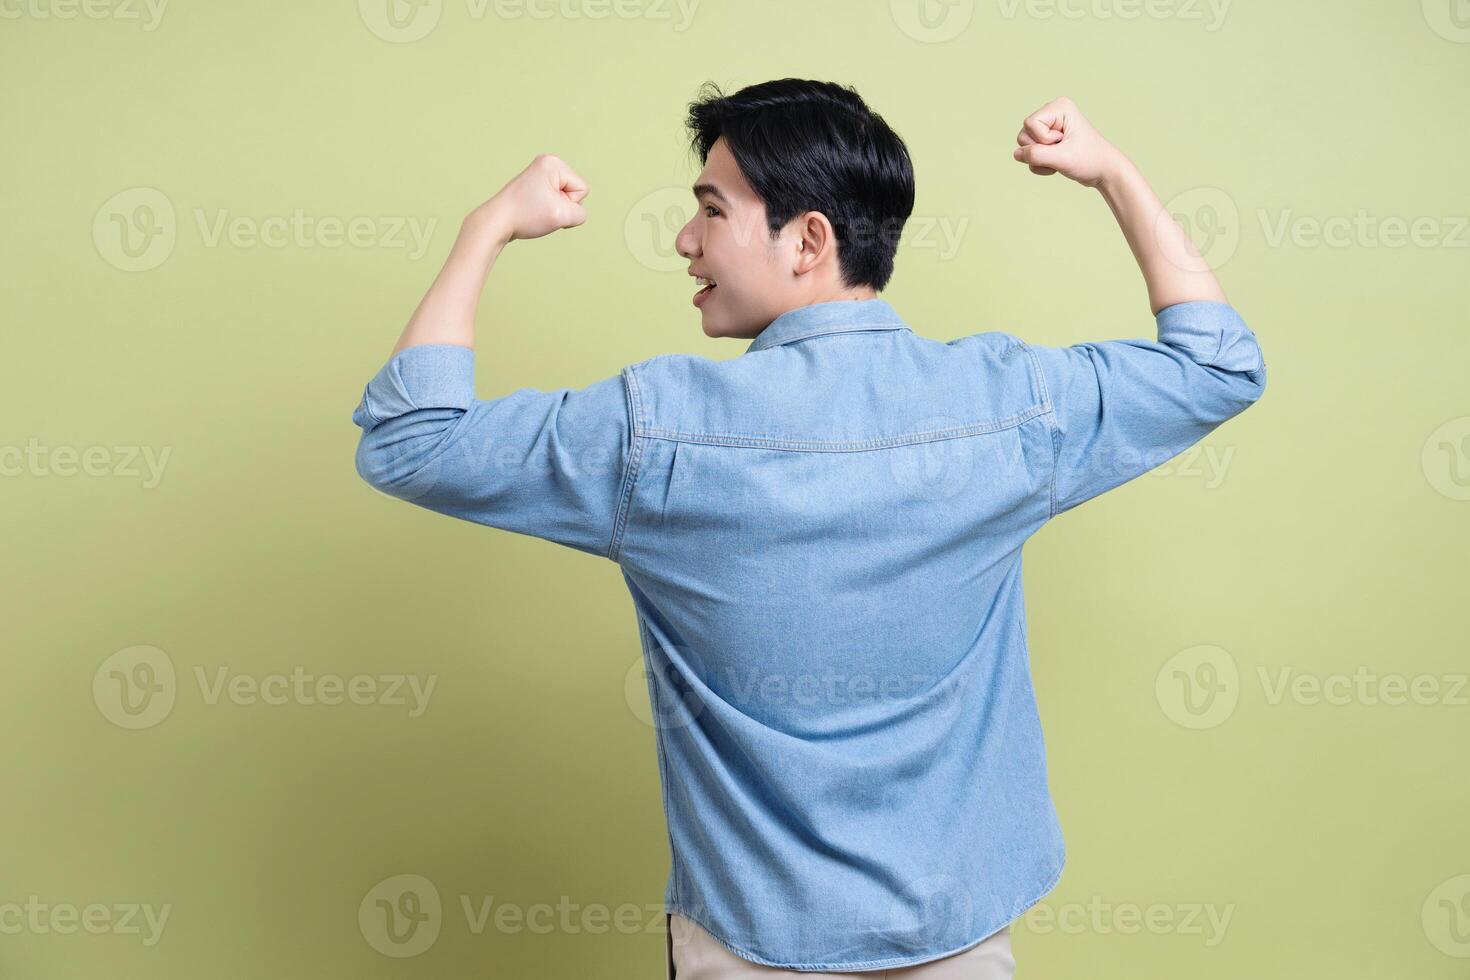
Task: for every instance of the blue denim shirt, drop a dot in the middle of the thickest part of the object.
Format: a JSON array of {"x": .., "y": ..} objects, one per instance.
[{"x": 822, "y": 539}]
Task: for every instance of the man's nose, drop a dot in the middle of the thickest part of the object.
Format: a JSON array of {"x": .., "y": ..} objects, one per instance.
[{"x": 686, "y": 242}]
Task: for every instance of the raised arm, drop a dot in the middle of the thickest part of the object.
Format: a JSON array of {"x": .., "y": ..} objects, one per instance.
[
  {"x": 545, "y": 197},
  {"x": 1119, "y": 408},
  {"x": 1057, "y": 138},
  {"x": 546, "y": 463}
]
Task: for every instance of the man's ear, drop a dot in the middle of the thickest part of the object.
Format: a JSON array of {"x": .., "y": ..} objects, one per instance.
[{"x": 814, "y": 238}]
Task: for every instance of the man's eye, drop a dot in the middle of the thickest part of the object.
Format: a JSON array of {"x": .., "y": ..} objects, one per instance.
[{"x": 710, "y": 207}]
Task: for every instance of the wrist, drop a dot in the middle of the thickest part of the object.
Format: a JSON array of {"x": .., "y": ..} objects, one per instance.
[
  {"x": 1116, "y": 171},
  {"x": 487, "y": 226}
]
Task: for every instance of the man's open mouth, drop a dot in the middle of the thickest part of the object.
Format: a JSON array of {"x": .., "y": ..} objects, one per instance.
[{"x": 707, "y": 286}]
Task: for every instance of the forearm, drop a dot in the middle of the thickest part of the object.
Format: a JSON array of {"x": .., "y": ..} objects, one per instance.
[
  {"x": 1171, "y": 265},
  {"x": 446, "y": 314}
]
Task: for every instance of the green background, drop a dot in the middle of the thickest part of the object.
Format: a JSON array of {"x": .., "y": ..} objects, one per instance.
[{"x": 1335, "y": 541}]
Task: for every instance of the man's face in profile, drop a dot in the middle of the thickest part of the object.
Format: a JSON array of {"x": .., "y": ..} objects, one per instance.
[{"x": 726, "y": 240}]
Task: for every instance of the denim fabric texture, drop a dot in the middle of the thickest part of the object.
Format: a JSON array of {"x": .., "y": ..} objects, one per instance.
[{"x": 822, "y": 539}]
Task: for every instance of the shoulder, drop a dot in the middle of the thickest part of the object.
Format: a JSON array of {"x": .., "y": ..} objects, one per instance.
[
  {"x": 1007, "y": 360},
  {"x": 662, "y": 365},
  {"x": 671, "y": 387},
  {"x": 669, "y": 373},
  {"x": 990, "y": 343}
]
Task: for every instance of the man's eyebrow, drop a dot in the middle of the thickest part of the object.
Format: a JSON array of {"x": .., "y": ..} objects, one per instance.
[{"x": 712, "y": 191}]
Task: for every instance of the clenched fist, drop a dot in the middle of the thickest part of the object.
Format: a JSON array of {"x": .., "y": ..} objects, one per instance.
[
  {"x": 1057, "y": 138},
  {"x": 545, "y": 197}
]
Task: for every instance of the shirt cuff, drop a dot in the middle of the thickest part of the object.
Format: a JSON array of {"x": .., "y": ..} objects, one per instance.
[
  {"x": 1212, "y": 333},
  {"x": 425, "y": 376}
]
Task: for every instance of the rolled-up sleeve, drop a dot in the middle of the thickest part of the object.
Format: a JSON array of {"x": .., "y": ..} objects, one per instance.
[
  {"x": 1123, "y": 407},
  {"x": 550, "y": 464}
]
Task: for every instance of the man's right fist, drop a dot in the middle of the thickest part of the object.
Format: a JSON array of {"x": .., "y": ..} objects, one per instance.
[
  {"x": 543, "y": 198},
  {"x": 1057, "y": 138}
]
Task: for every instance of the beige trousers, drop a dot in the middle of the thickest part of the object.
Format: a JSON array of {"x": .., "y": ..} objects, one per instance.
[{"x": 693, "y": 954}]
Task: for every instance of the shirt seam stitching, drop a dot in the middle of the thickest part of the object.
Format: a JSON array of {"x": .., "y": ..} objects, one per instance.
[
  {"x": 664, "y": 784},
  {"x": 1017, "y": 910},
  {"x": 858, "y": 445},
  {"x": 367, "y": 406},
  {"x": 630, "y": 472},
  {"x": 1053, "y": 426},
  {"x": 825, "y": 331}
]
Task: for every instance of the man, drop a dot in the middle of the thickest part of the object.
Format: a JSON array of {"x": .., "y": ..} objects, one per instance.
[{"x": 822, "y": 536}]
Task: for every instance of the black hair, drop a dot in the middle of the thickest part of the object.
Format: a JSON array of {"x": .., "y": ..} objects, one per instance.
[{"x": 805, "y": 145}]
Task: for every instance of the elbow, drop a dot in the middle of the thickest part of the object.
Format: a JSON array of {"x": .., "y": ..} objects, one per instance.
[
  {"x": 1242, "y": 367},
  {"x": 373, "y": 464},
  {"x": 1258, "y": 377},
  {"x": 1255, "y": 381},
  {"x": 1242, "y": 357},
  {"x": 1224, "y": 393},
  {"x": 1243, "y": 389},
  {"x": 403, "y": 456}
]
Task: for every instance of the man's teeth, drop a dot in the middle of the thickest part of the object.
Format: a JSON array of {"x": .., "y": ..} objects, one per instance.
[{"x": 703, "y": 281}]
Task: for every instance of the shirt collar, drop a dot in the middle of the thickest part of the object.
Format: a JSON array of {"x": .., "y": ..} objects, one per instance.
[{"x": 833, "y": 316}]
